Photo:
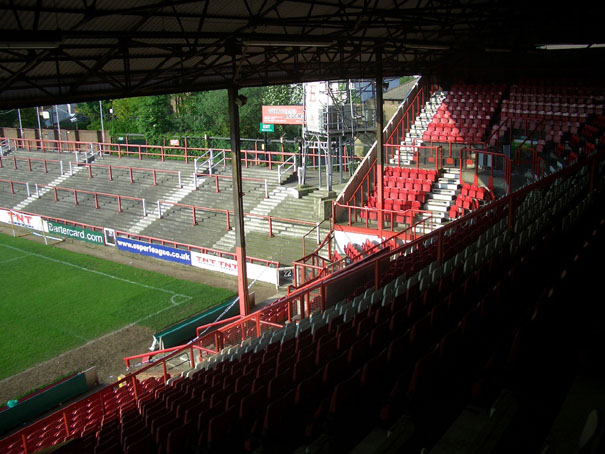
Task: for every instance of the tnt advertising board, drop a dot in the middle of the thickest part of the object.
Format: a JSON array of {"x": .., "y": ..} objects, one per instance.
[
  {"x": 283, "y": 115},
  {"x": 22, "y": 220},
  {"x": 154, "y": 250},
  {"x": 229, "y": 266},
  {"x": 78, "y": 233}
]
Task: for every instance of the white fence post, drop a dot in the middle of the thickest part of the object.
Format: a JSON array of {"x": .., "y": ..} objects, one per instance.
[
  {"x": 71, "y": 169},
  {"x": 318, "y": 235},
  {"x": 180, "y": 183},
  {"x": 27, "y": 186},
  {"x": 159, "y": 210},
  {"x": 266, "y": 190},
  {"x": 37, "y": 191},
  {"x": 61, "y": 165},
  {"x": 144, "y": 210}
]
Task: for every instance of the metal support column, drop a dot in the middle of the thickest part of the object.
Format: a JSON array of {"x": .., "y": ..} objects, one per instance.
[
  {"x": 238, "y": 206},
  {"x": 379, "y": 139},
  {"x": 340, "y": 161},
  {"x": 329, "y": 163}
]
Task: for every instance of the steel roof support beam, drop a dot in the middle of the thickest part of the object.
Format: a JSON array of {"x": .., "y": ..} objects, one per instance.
[{"x": 238, "y": 205}]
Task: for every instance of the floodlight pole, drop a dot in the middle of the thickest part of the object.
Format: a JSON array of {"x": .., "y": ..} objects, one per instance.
[
  {"x": 58, "y": 128},
  {"x": 39, "y": 126},
  {"x": 102, "y": 123},
  {"x": 379, "y": 139},
  {"x": 238, "y": 205},
  {"x": 20, "y": 124}
]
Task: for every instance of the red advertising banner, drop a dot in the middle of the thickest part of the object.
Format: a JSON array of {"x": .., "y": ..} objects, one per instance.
[{"x": 283, "y": 115}]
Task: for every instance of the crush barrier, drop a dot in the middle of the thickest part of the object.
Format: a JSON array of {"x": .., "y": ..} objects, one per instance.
[
  {"x": 96, "y": 195},
  {"x": 249, "y": 157},
  {"x": 228, "y": 213}
]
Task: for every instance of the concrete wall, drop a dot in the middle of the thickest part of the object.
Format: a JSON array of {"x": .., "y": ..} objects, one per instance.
[{"x": 66, "y": 134}]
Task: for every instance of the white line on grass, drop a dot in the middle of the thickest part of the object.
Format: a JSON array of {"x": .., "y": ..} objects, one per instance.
[
  {"x": 98, "y": 339},
  {"x": 13, "y": 259},
  {"x": 174, "y": 294},
  {"x": 173, "y": 302}
]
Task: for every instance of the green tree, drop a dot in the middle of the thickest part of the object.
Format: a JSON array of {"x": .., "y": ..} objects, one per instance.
[
  {"x": 10, "y": 118},
  {"x": 153, "y": 116}
]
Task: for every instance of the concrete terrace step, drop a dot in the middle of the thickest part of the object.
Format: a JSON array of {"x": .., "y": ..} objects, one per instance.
[
  {"x": 446, "y": 185},
  {"x": 437, "y": 196},
  {"x": 56, "y": 182},
  {"x": 437, "y": 205}
]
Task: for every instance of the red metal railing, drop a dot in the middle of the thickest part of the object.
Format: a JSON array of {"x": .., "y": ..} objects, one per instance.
[
  {"x": 317, "y": 231},
  {"x": 411, "y": 109},
  {"x": 131, "y": 170},
  {"x": 315, "y": 265},
  {"x": 217, "y": 178},
  {"x": 364, "y": 214},
  {"x": 110, "y": 168},
  {"x": 478, "y": 161},
  {"x": 29, "y": 161},
  {"x": 228, "y": 213},
  {"x": 425, "y": 156},
  {"x": 96, "y": 195},
  {"x": 313, "y": 296},
  {"x": 12, "y": 184},
  {"x": 161, "y": 152}
]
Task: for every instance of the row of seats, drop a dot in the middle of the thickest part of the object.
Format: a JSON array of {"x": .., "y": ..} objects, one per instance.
[
  {"x": 460, "y": 110},
  {"x": 415, "y": 184},
  {"x": 462, "y": 205},
  {"x": 476, "y": 192},
  {"x": 542, "y": 115},
  {"x": 400, "y": 195},
  {"x": 458, "y": 121},
  {"x": 470, "y": 90},
  {"x": 572, "y": 90},
  {"x": 552, "y": 107},
  {"x": 469, "y": 198},
  {"x": 410, "y": 172},
  {"x": 464, "y": 102},
  {"x": 461, "y": 136}
]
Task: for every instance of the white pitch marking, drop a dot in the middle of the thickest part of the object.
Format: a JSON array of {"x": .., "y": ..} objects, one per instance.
[
  {"x": 13, "y": 259},
  {"x": 96, "y": 272}
]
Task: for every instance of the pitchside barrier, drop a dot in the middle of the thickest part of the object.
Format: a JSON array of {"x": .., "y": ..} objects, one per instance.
[
  {"x": 32, "y": 407},
  {"x": 172, "y": 251},
  {"x": 186, "y": 330}
]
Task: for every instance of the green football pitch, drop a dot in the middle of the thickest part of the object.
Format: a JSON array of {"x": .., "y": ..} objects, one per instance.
[{"x": 54, "y": 300}]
